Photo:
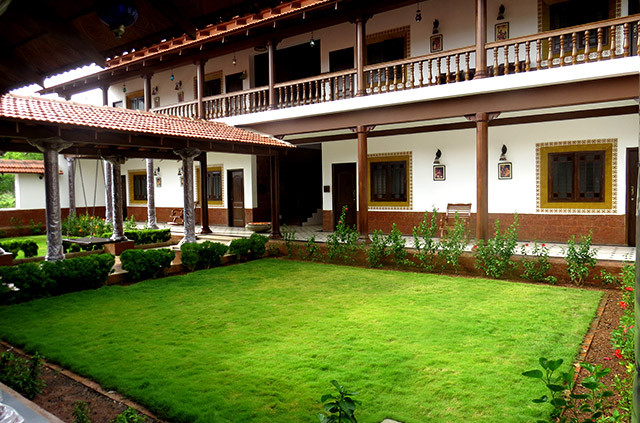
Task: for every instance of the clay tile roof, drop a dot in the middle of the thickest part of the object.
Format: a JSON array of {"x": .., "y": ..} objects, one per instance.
[
  {"x": 13, "y": 107},
  {"x": 22, "y": 166}
]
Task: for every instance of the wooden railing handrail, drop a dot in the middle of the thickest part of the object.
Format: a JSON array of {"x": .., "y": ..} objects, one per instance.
[
  {"x": 565, "y": 31},
  {"x": 415, "y": 59},
  {"x": 172, "y": 106},
  {"x": 315, "y": 78},
  {"x": 236, "y": 93}
]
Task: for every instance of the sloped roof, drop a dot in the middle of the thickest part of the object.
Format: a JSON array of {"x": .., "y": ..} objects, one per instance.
[
  {"x": 59, "y": 112},
  {"x": 23, "y": 166}
]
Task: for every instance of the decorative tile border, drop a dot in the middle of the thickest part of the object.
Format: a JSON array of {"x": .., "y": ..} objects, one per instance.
[
  {"x": 614, "y": 176},
  {"x": 409, "y": 180}
]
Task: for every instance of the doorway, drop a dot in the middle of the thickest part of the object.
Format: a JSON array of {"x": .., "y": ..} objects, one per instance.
[
  {"x": 235, "y": 189},
  {"x": 632, "y": 194},
  {"x": 344, "y": 192}
]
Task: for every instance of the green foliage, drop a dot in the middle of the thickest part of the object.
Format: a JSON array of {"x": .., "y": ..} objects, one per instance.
[
  {"x": 452, "y": 245},
  {"x": 7, "y": 199},
  {"x": 607, "y": 278},
  {"x": 340, "y": 407},
  {"x": 569, "y": 407},
  {"x": 311, "y": 249},
  {"x": 24, "y": 282},
  {"x": 81, "y": 412},
  {"x": 396, "y": 244},
  {"x": 343, "y": 242},
  {"x": 130, "y": 224},
  {"x": 288, "y": 236},
  {"x": 146, "y": 264},
  {"x": 377, "y": 251},
  {"x": 85, "y": 225},
  {"x": 22, "y": 374},
  {"x": 273, "y": 250},
  {"x": 240, "y": 247},
  {"x": 258, "y": 243},
  {"x": 144, "y": 236},
  {"x": 16, "y": 155},
  {"x": 424, "y": 242},
  {"x": 535, "y": 268},
  {"x": 580, "y": 258},
  {"x": 202, "y": 256},
  {"x": 493, "y": 257},
  {"x": 130, "y": 416},
  {"x": 28, "y": 247}
]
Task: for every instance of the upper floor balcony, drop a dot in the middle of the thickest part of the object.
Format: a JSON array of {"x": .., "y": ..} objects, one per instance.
[{"x": 595, "y": 42}]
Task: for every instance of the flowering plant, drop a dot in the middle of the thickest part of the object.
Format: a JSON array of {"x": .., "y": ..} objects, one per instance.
[
  {"x": 535, "y": 268},
  {"x": 493, "y": 257},
  {"x": 343, "y": 242}
]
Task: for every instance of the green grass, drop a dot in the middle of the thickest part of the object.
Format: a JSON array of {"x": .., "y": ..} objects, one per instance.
[
  {"x": 260, "y": 341},
  {"x": 41, "y": 240}
]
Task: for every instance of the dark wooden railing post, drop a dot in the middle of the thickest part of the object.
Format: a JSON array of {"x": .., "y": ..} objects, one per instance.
[
  {"x": 361, "y": 54},
  {"x": 271, "y": 46},
  {"x": 200, "y": 87},
  {"x": 481, "y": 39}
]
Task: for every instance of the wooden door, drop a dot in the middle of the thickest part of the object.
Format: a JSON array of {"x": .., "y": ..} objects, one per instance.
[
  {"x": 235, "y": 185},
  {"x": 344, "y": 192},
  {"x": 632, "y": 193},
  {"x": 123, "y": 188}
]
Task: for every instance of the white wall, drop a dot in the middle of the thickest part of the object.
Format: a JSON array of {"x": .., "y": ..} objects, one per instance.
[{"x": 458, "y": 155}]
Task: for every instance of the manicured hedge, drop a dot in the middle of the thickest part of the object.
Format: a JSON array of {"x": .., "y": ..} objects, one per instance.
[
  {"x": 244, "y": 247},
  {"x": 29, "y": 247},
  {"x": 145, "y": 264},
  {"x": 202, "y": 256},
  {"x": 28, "y": 281}
]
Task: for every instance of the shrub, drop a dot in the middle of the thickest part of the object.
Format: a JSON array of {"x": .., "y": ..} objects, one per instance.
[
  {"x": 536, "y": 268},
  {"x": 240, "y": 247},
  {"x": 79, "y": 273},
  {"x": 258, "y": 243},
  {"x": 144, "y": 236},
  {"x": 339, "y": 407},
  {"x": 30, "y": 248},
  {"x": 145, "y": 264},
  {"x": 396, "y": 244},
  {"x": 342, "y": 243},
  {"x": 29, "y": 281},
  {"x": 202, "y": 256},
  {"x": 452, "y": 245},
  {"x": 377, "y": 250},
  {"x": 580, "y": 258},
  {"x": 130, "y": 416},
  {"x": 424, "y": 242},
  {"x": 81, "y": 412},
  {"x": 85, "y": 225},
  {"x": 288, "y": 236},
  {"x": 190, "y": 255},
  {"x": 22, "y": 374},
  {"x": 311, "y": 249},
  {"x": 129, "y": 223},
  {"x": 493, "y": 257}
]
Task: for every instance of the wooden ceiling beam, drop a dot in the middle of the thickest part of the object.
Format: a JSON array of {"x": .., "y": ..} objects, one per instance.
[{"x": 175, "y": 14}]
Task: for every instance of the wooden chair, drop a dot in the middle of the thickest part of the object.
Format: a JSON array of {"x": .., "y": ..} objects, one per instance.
[
  {"x": 462, "y": 210},
  {"x": 177, "y": 216}
]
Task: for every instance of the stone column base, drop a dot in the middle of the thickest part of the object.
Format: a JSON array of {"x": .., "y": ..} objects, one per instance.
[
  {"x": 116, "y": 248},
  {"x": 6, "y": 259}
]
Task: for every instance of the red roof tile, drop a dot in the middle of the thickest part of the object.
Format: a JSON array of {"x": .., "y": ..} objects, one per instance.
[
  {"x": 20, "y": 108},
  {"x": 22, "y": 166}
]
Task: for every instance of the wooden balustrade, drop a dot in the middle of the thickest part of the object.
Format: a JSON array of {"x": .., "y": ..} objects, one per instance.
[{"x": 604, "y": 40}]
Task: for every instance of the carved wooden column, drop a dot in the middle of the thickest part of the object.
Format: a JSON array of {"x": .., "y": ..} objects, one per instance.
[
  {"x": 152, "y": 222},
  {"x": 275, "y": 196},
  {"x": 50, "y": 147},
  {"x": 482, "y": 171},
  {"x": 271, "y": 46},
  {"x": 108, "y": 188},
  {"x": 361, "y": 54},
  {"x": 481, "y": 39},
  {"x": 117, "y": 199},
  {"x": 71, "y": 169},
  {"x": 363, "y": 187},
  {"x": 204, "y": 194},
  {"x": 187, "y": 155}
]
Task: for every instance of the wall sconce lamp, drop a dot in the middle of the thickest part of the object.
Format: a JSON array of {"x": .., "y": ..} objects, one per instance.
[
  {"x": 503, "y": 156},
  {"x": 180, "y": 176},
  {"x": 234, "y": 61},
  {"x": 124, "y": 88},
  {"x": 178, "y": 85},
  {"x": 438, "y": 155},
  {"x": 312, "y": 42},
  {"x": 436, "y": 27},
  {"x": 154, "y": 90},
  {"x": 156, "y": 171},
  {"x": 500, "y": 12},
  {"x": 418, "y": 13}
]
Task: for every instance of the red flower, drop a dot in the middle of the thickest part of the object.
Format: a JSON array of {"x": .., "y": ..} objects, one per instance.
[
  {"x": 24, "y": 220},
  {"x": 628, "y": 288},
  {"x": 618, "y": 353},
  {"x": 339, "y": 222},
  {"x": 526, "y": 245},
  {"x": 543, "y": 245},
  {"x": 346, "y": 208},
  {"x": 622, "y": 304},
  {"x": 607, "y": 358}
]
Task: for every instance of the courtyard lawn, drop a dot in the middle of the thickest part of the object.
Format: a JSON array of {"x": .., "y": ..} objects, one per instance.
[
  {"x": 41, "y": 240},
  {"x": 260, "y": 342}
]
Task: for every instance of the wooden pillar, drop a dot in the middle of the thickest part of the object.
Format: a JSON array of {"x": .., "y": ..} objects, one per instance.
[
  {"x": 71, "y": 169},
  {"x": 50, "y": 148},
  {"x": 481, "y": 39},
  {"x": 275, "y": 196},
  {"x": 361, "y": 54},
  {"x": 105, "y": 95},
  {"x": 187, "y": 155},
  {"x": 108, "y": 187},
  {"x": 271, "y": 46},
  {"x": 200, "y": 87},
  {"x": 363, "y": 187},
  {"x": 117, "y": 199},
  {"x": 482, "y": 170},
  {"x": 204, "y": 197}
]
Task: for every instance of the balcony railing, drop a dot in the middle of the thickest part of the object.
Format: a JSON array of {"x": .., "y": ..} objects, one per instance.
[{"x": 604, "y": 40}]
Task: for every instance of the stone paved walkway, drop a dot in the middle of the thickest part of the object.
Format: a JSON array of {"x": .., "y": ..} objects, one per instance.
[{"x": 27, "y": 409}]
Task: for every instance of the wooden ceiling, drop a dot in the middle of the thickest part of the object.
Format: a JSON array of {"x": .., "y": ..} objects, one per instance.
[{"x": 41, "y": 38}]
